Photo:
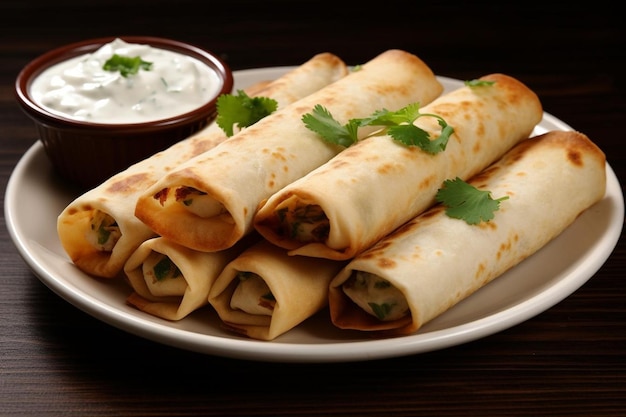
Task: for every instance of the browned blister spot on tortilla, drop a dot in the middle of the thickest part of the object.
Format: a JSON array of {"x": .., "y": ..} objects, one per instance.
[
  {"x": 383, "y": 90},
  {"x": 336, "y": 164},
  {"x": 467, "y": 109},
  {"x": 487, "y": 225},
  {"x": 578, "y": 147},
  {"x": 129, "y": 184},
  {"x": 504, "y": 247},
  {"x": 187, "y": 174},
  {"x": 386, "y": 263},
  {"x": 349, "y": 155},
  {"x": 575, "y": 157},
  {"x": 426, "y": 182},
  {"x": 278, "y": 154},
  {"x": 476, "y": 149},
  {"x": 416, "y": 253},
  {"x": 272, "y": 181},
  {"x": 199, "y": 146},
  {"x": 480, "y": 271},
  {"x": 385, "y": 168}
]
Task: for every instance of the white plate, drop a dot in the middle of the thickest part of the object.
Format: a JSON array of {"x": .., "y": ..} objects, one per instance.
[{"x": 35, "y": 197}]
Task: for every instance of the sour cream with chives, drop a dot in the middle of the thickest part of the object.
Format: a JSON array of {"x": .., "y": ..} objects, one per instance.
[{"x": 81, "y": 89}]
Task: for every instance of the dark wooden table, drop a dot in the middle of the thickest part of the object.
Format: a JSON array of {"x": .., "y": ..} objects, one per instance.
[{"x": 567, "y": 361}]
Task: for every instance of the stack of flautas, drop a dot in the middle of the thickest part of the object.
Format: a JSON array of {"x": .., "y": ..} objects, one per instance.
[{"x": 273, "y": 224}]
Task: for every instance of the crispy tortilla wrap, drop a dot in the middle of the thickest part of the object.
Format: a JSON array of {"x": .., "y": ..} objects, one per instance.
[
  {"x": 434, "y": 261},
  {"x": 373, "y": 187},
  {"x": 171, "y": 281},
  {"x": 208, "y": 202},
  {"x": 99, "y": 230},
  {"x": 264, "y": 292}
]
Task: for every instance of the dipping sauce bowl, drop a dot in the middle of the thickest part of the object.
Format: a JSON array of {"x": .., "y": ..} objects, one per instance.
[{"x": 95, "y": 122}]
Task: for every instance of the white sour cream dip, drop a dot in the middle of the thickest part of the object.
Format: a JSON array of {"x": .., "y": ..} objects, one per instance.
[{"x": 80, "y": 89}]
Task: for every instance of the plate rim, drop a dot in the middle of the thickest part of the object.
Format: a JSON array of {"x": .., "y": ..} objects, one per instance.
[{"x": 277, "y": 351}]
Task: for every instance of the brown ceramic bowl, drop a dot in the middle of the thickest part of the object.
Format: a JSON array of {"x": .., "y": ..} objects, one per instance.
[{"x": 87, "y": 153}]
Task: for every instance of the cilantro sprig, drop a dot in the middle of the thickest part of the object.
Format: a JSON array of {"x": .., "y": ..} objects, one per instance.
[
  {"x": 479, "y": 83},
  {"x": 466, "y": 202},
  {"x": 399, "y": 124},
  {"x": 126, "y": 65},
  {"x": 324, "y": 124},
  {"x": 242, "y": 110},
  {"x": 401, "y": 128}
]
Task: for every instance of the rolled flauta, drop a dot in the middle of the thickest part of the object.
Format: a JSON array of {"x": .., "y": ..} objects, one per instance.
[
  {"x": 374, "y": 186},
  {"x": 171, "y": 281},
  {"x": 99, "y": 230},
  {"x": 434, "y": 261},
  {"x": 264, "y": 292},
  {"x": 208, "y": 203}
]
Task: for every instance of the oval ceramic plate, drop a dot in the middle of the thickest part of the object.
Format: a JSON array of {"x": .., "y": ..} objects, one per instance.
[{"x": 35, "y": 197}]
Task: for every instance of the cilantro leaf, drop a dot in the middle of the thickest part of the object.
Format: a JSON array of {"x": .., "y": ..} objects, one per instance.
[
  {"x": 466, "y": 202},
  {"x": 322, "y": 122},
  {"x": 399, "y": 126},
  {"x": 242, "y": 110},
  {"x": 381, "y": 310},
  {"x": 479, "y": 83},
  {"x": 402, "y": 129},
  {"x": 126, "y": 65},
  {"x": 165, "y": 268},
  {"x": 411, "y": 135},
  {"x": 385, "y": 117}
]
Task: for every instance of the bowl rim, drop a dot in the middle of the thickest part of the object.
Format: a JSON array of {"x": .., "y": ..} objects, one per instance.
[{"x": 36, "y": 66}]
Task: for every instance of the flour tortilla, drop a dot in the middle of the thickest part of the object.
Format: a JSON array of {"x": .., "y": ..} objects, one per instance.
[
  {"x": 376, "y": 185},
  {"x": 232, "y": 179},
  {"x": 435, "y": 261},
  {"x": 174, "y": 298},
  {"x": 116, "y": 197},
  {"x": 298, "y": 284}
]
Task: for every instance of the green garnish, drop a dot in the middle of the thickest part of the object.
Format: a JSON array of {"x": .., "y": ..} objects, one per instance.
[
  {"x": 399, "y": 126},
  {"x": 103, "y": 235},
  {"x": 322, "y": 122},
  {"x": 381, "y": 310},
  {"x": 402, "y": 129},
  {"x": 165, "y": 268},
  {"x": 479, "y": 83},
  {"x": 242, "y": 110},
  {"x": 126, "y": 65},
  {"x": 104, "y": 227},
  {"x": 466, "y": 202}
]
